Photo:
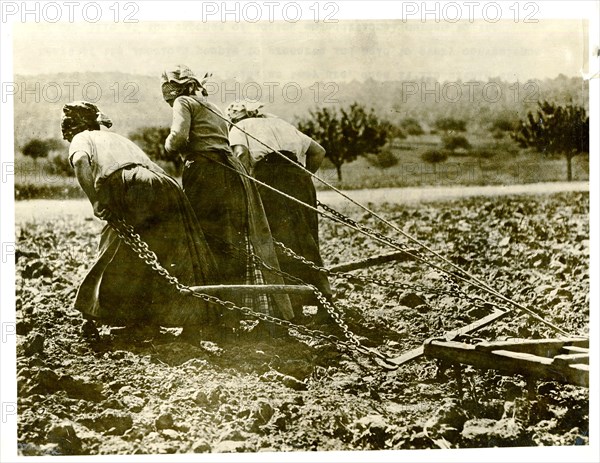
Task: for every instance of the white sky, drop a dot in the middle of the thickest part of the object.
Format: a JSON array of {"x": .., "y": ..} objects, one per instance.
[{"x": 305, "y": 51}]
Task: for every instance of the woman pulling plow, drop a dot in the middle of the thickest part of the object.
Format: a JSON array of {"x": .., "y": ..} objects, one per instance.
[
  {"x": 227, "y": 205},
  {"x": 277, "y": 154},
  {"x": 121, "y": 182}
]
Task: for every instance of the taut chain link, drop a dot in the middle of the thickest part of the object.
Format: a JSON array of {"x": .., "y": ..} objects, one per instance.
[
  {"x": 347, "y": 220},
  {"x": 349, "y": 276},
  {"x": 127, "y": 233},
  {"x": 456, "y": 291}
]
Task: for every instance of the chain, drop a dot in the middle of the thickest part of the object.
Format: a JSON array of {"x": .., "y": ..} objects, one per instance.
[
  {"x": 127, "y": 233},
  {"x": 326, "y": 303},
  {"x": 456, "y": 290},
  {"x": 348, "y": 221},
  {"x": 476, "y": 300}
]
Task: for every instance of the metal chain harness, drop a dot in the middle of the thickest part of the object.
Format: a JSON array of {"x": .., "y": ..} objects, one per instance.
[{"x": 127, "y": 233}]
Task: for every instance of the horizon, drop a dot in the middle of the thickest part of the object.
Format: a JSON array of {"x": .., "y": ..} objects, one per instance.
[{"x": 353, "y": 80}]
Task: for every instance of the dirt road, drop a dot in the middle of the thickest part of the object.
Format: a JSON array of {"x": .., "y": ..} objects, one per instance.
[{"x": 41, "y": 209}]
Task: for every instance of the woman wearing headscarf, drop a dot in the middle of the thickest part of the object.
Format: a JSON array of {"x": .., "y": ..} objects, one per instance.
[
  {"x": 226, "y": 204},
  {"x": 121, "y": 182},
  {"x": 291, "y": 223}
]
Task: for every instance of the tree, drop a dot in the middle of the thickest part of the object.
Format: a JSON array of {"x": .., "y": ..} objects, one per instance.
[
  {"x": 555, "y": 129},
  {"x": 345, "y": 134},
  {"x": 434, "y": 157},
  {"x": 36, "y": 148},
  {"x": 384, "y": 159},
  {"x": 152, "y": 141}
]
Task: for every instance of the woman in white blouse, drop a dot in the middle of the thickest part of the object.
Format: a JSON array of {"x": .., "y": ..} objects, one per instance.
[
  {"x": 292, "y": 224},
  {"x": 121, "y": 182}
]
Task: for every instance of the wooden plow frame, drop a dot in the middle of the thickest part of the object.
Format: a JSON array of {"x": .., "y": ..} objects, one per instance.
[{"x": 565, "y": 360}]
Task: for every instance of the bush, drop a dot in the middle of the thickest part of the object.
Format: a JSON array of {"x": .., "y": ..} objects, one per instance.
[
  {"x": 434, "y": 156},
  {"x": 454, "y": 142},
  {"x": 484, "y": 154},
  {"x": 497, "y": 134},
  {"x": 411, "y": 126},
  {"x": 58, "y": 164},
  {"x": 384, "y": 159},
  {"x": 504, "y": 124},
  {"x": 395, "y": 132},
  {"x": 450, "y": 124}
]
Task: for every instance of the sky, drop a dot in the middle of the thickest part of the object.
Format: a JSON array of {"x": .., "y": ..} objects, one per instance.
[{"x": 305, "y": 51}]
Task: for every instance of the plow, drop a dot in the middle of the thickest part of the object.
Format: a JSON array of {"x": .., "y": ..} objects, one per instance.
[{"x": 564, "y": 359}]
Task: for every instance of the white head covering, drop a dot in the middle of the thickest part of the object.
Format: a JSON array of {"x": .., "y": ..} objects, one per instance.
[{"x": 239, "y": 110}]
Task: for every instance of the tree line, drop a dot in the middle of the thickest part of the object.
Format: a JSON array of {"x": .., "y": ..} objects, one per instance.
[{"x": 356, "y": 130}]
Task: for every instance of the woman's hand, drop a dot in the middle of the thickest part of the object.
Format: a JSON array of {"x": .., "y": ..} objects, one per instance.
[
  {"x": 101, "y": 211},
  {"x": 314, "y": 156},
  {"x": 242, "y": 153}
]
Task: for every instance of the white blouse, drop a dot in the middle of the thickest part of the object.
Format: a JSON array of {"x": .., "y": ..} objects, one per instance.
[
  {"x": 107, "y": 153},
  {"x": 274, "y": 132}
]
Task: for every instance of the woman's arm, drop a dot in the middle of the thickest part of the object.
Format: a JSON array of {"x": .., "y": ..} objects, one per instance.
[
  {"x": 242, "y": 153},
  {"x": 180, "y": 127},
  {"x": 314, "y": 156},
  {"x": 85, "y": 177}
]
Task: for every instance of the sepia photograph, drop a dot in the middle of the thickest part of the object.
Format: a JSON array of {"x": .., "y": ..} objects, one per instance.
[{"x": 282, "y": 231}]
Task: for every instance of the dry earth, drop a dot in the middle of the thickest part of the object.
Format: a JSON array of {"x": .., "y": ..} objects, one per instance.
[{"x": 162, "y": 395}]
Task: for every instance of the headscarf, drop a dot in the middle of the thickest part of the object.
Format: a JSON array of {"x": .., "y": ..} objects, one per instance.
[
  {"x": 82, "y": 115},
  {"x": 177, "y": 82},
  {"x": 239, "y": 110}
]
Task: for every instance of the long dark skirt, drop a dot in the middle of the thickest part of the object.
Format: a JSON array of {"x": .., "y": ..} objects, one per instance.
[
  {"x": 229, "y": 210},
  {"x": 291, "y": 223},
  {"x": 121, "y": 288}
]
